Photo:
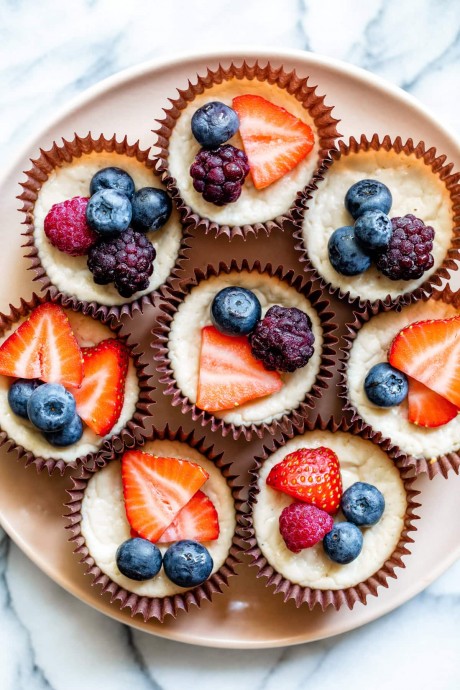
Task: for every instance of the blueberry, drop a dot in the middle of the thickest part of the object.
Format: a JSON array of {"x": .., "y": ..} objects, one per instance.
[
  {"x": 343, "y": 543},
  {"x": 19, "y": 394},
  {"x": 368, "y": 195},
  {"x": 112, "y": 178},
  {"x": 363, "y": 504},
  {"x": 109, "y": 212},
  {"x": 214, "y": 123},
  {"x": 373, "y": 230},
  {"x": 51, "y": 407},
  {"x": 187, "y": 563},
  {"x": 345, "y": 254},
  {"x": 385, "y": 386},
  {"x": 235, "y": 311},
  {"x": 138, "y": 559},
  {"x": 70, "y": 433},
  {"x": 151, "y": 209}
]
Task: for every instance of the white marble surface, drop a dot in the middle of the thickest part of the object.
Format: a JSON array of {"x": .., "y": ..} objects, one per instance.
[{"x": 49, "y": 53}]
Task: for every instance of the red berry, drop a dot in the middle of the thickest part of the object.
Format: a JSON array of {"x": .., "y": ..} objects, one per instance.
[
  {"x": 67, "y": 229},
  {"x": 303, "y": 526}
]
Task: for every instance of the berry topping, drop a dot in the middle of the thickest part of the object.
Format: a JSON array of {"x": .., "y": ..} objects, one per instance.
[
  {"x": 51, "y": 407},
  {"x": 109, "y": 212},
  {"x": 343, "y": 543},
  {"x": 101, "y": 395},
  {"x": 152, "y": 208},
  {"x": 43, "y": 347},
  {"x": 363, "y": 504},
  {"x": 187, "y": 563},
  {"x": 213, "y": 124},
  {"x": 67, "y": 229},
  {"x": 385, "y": 386},
  {"x": 274, "y": 140},
  {"x": 19, "y": 394},
  {"x": 156, "y": 489},
  {"x": 303, "y": 526},
  {"x": 218, "y": 174},
  {"x": 69, "y": 434},
  {"x": 112, "y": 178},
  {"x": 367, "y": 195},
  {"x": 198, "y": 520},
  {"x": 346, "y": 254},
  {"x": 427, "y": 408},
  {"x": 126, "y": 261},
  {"x": 138, "y": 559},
  {"x": 311, "y": 475},
  {"x": 283, "y": 340},
  {"x": 229, "y": 375},
  {"x": 235, "y": 311},
  {"x": 373, "y": 231},
  {"x": 408, "y": 254},
  {"x": 429, "y": 351}
]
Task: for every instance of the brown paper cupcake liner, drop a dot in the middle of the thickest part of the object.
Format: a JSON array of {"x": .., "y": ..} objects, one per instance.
[
  {"x": 341, "y": 597},
  {"x": 148, "y": 607},
  {"x": 326, "y": 126},
  {"x": 180, "y": 289},
  {"x": 441, "y": 464},
  {"x": 37, "y": 175},
  {"x": 126, "y": 437},
  {"x": 439, "y": 166}
]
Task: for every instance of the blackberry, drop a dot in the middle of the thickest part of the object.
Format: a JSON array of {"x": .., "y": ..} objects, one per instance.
[
  {"x": 284, "y": 339},
  {"x": 408, "y": 254},
  {"x": 125, "y": 261},
  {"x": 218, "y": 174}
]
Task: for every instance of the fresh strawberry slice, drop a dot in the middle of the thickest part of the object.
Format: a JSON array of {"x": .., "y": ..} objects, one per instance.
[
  {"x": 156, "y": 489},
  {"x": 274, "y": 140},
  {"x": 101, "y": 395},
  {"x": 427, "y": 408},
  {"x": 429, "y": 351},
  {"x": 198, "y": 520},
  {"x": 229, "y": 374},
  {"x": 43, "y": 347},
  {"x": 311, "y": 475}
]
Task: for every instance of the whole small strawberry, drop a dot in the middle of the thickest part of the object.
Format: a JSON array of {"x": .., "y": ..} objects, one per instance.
[
  {"x": 303, "y": 526},
  {"x": 311, "y": 475}
]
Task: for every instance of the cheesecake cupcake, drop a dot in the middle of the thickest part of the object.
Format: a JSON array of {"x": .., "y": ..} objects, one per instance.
[
  {"x": 156, "y": 527},
  {"x": 381, "y": 222},
  {"x": 330, "y": 516},
  {"x": 244, "y": 348},
  {"x": 237, "y": 145}
]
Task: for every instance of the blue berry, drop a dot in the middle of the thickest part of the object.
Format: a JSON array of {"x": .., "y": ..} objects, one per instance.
[
  {"x": 187, "y": 563},
  {"x": 69, "y": 434},
  {"x": 373, "y": 230},
  {"x": 51, "y": 407},
  {"x": 112, "y": 178},
  {"x": 109, "y": 212},
  {"x": 235, "y": 311},
  {"x": 214, "y": 123},
  {"x": 343, "y": 543},
  {"x": 138, "y": 559},
  {"x": 19, "y": 394},
  {"x": 368, "y": 195},
  {"x": 151, "y": 209},
  {"x": 363, "y": 504},
  {"x": 385, "y": 386},
  {"x": 345, "y": 254}
]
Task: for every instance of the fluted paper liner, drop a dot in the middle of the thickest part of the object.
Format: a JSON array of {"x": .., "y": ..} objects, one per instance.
[
  {"x": 326, "y": 131},
  {"x": 134, "y": 427},
  {"x": 441, "y": 464},
  {"x": 180, "y": 289},
  {"x": 439, "y": 167},
  {"x": 37, "y": 175},
  {"x": 328, "y": 597},
  {"x": 158, "y": 607}
]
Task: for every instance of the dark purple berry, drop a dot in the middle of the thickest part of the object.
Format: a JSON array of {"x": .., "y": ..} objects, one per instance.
[
  {"x": 408, "y": 255},
  {"x": 219, "y": 174}
]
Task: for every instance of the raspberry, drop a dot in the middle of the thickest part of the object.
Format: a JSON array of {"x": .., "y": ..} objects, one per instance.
[
  {"x": 408, "y": 254},
  {"x": 303, "y": 526},
  {"x": 66, "y": 227},
  {"x": 218, "y": 174},
  {"x": 283, "y": 340},
  {"x": 126, "y": 261}
]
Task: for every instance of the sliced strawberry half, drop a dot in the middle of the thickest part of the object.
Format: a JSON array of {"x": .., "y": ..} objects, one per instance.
[
  {"x": 229, "y": 374},
  {"x": 156, "y": 489},
  {"x": 198, "y": 520},
  {"x": 427, "y": 408},
  {"x": 274, "y": 140},
  {"x": 429, "y": 351}
]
